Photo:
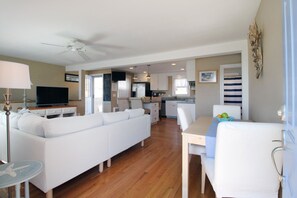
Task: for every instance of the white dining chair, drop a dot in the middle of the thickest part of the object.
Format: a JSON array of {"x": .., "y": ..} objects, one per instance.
[
  {"x": 136, "y": 103},
  {"x": 185, "y": 121},
  {"x": 123, "y": 103},
  {"x": 242, "y": 166},
  {"x": 232, "y": 110}
]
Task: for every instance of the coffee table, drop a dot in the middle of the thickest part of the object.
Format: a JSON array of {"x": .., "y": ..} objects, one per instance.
[{"x": 15, "y": 173}]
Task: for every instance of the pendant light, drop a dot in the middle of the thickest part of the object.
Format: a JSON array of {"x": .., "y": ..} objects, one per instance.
[{"x": 148, "y": 76}]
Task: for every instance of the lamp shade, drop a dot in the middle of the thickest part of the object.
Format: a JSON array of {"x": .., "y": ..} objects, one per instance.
[{"x": 14, "y": 75}]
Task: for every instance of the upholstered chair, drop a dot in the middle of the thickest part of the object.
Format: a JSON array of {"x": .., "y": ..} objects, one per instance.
[
  {"x": 186, "y": 119},
  {"x": 242, "y": 166},
  {"x": 137, "y": 103},
  {"x": 123, "y": 103}
]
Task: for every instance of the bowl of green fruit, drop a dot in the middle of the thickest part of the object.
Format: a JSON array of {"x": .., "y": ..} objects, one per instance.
[{"x": 223, "y": 117}]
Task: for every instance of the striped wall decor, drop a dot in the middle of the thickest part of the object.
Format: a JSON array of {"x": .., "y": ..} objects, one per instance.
[{"x": 233, "y": 90}]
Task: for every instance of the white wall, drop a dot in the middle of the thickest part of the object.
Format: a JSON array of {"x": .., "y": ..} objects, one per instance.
[
  {"x": 267, "y": 92},
  {"x": 208, "y": 94}
]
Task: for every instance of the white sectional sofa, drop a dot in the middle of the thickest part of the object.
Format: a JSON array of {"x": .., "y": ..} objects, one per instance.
[{"x": 70, "y": 146}]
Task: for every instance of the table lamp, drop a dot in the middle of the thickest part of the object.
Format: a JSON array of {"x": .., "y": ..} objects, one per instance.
[{"x": 12, "y": 76}]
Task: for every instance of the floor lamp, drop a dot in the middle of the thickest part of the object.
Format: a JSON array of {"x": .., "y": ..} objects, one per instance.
[{"x": 12, "y": 76}]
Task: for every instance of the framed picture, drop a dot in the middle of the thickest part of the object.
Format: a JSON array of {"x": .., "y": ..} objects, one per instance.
[
  {"x": 208, "y": 76},
  {"x": 71, "y": 78}
]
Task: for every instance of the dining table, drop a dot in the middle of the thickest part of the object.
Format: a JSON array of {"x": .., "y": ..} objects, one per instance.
[{"x": 194, "y": 134}]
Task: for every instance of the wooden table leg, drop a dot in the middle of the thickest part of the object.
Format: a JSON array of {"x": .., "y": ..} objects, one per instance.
[{"x": 185, "y": 167}]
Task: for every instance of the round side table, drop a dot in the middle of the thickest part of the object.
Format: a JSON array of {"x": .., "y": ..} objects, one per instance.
[{"x": 14, "y": 173}]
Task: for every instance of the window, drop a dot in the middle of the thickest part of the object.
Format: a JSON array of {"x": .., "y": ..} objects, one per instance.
[{"x": 181, "y": 86}]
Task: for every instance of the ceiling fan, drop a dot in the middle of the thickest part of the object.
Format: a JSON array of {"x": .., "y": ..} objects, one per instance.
[{"x": 77, "y": 46}]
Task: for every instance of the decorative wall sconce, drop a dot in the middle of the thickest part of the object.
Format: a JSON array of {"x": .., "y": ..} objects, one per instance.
[{"x": 255, "y": 38}]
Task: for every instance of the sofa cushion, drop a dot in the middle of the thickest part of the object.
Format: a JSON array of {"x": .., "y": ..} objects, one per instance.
[
  {"x": 62, "y": 126},
  {"x": 31, "y": 123},
  {"x": 133, "y": 113},
  {"x": 13, "y": 119},
  {"x": 109, "y": 118}
]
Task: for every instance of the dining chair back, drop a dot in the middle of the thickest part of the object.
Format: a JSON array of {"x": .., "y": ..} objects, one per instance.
[
  {"x": 242, "y": 166},
  {"x": 137, "y": 103},
  {"x": 185, "y": 117},
  {"x": 123, "y": 103},
  {"x": 232, "y": 110},
  {"x": 185, "y": 120}
]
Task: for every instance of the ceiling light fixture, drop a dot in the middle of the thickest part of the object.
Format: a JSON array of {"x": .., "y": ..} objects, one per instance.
[
  {"x": 135, "y": 77},
  {"x": 173, "y": 64},
  {"x": 131, "y": 67},
  {"x": 182, "y": 69}
]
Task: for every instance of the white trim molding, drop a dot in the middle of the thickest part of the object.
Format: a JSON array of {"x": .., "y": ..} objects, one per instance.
[{"x": 239, "y": 46}]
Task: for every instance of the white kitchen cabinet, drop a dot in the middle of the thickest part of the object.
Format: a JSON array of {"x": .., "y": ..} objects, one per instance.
[
  {"x": 154, "y": 82},
  {"x": 190, "y": 107},
  {"x": 154, "y": 111},
  {"x": 159, "y": 82},
  {"x": 171, "y": 109},
  {"x": 191, "y": 70}
]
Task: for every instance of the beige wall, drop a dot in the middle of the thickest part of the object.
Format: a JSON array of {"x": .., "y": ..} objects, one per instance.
[
  {"x": 208, "y": 94},
  {"x": 266, "y": 93},
  {"x": 41, "y": 74}
]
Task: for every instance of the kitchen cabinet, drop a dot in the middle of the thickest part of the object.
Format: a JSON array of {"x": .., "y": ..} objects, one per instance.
[
  {"x": 190, "y": 107},
  {"x": 159, "y": 82},
  {"x": 154, "y": 111},
  {"x": 191, "y": 70},
  {"x": 171, "y": 109}
]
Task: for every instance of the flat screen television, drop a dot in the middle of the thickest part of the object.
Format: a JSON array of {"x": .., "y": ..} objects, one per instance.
[
  {"x": 49, "y": 96},
  {"x": 116, "y": 76}
]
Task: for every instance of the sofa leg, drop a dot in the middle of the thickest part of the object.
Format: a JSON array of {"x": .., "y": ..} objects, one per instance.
[
  {"x": 49, "y": 194},
  {"x": 142, "y": 143},
  {"x": 101, "y": 167},
  {"x": 109, "y": 163},
  {"x": 202, "y": 179}
]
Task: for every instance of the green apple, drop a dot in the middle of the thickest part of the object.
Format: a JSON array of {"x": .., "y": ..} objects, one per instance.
[{"x": 225, "y": 115}]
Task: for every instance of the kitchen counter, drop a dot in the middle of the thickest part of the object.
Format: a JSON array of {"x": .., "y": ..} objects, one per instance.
[
  {"x": 179, "y": 99},
  {"x": 171, "y": 104}
]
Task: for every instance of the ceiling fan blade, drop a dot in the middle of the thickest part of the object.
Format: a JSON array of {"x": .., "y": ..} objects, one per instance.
[
  {"x": 83, "y": 55},
  {"x": 63, "y": 52},
  {"x": 53, "y": 45},
  {"x": 98, "y": 52},
  {"x": 101, "y": 46}
]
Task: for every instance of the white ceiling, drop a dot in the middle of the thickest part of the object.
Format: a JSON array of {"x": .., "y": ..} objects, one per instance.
[{"x": 120, "y": 29}]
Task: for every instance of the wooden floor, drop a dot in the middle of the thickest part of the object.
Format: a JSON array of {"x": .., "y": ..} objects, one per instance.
[{"x": 150, "y": 171}]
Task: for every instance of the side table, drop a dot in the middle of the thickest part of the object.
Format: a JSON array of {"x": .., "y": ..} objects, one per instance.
[{"x": 14, "y": 173}]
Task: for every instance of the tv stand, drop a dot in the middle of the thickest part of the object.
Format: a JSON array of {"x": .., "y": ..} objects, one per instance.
[{"x": 54, "y": 111}]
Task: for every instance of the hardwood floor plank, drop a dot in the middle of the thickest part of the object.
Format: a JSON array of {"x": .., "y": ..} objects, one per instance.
[{"x": 151, "y": 171}]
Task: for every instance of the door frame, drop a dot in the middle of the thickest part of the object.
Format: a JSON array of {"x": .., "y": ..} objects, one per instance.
[{"x": 222, "y": 69}]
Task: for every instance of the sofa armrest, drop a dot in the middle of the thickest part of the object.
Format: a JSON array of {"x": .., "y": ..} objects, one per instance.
[
  {"x": 61, "y": 155},
  {"x": 26, "y": 146}
]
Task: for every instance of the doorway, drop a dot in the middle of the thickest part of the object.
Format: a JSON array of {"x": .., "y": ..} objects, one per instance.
[
  {"x": 93, "y": 94},
  {"x": 231, "y": 85}
]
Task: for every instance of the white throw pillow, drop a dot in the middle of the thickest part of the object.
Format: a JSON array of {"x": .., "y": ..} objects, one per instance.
[
  {"x": 109, "y": 118},
  {"x": 13, "y": 119},
  {"x": 62, "y": 126},
  {"x": 133, "y": 113},
  {"x": 31, "y": 123}
]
